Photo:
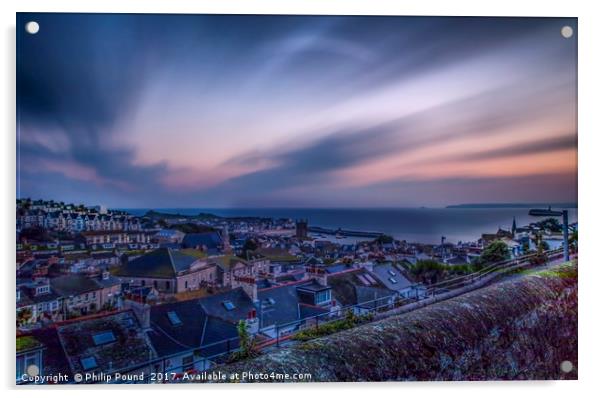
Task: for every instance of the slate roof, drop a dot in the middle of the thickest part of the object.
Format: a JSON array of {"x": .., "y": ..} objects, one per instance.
[
  {"x": 348, "y": 289},
  {"x": 338, "y": 267},
  {"x": 110, "y": 281},
  {"x": 214, "y": 305},
  {"x": 28, "y": 297},
  {"x": 73, "y": 285},
  {"x": 278, "y": 305},
  {"x": 227, "y": 262},
  {"x": 211, "y": 240},
  {"x": 203, "y": 322},
  {"x": 313, "y": 287},
  {"x": 128, "y": 347},
  {"x": 308, "y": 311},
  {"x": 160, "y": 263},
  {"x": 276, "y": 254},
  {"x": 382, "y": 272}
]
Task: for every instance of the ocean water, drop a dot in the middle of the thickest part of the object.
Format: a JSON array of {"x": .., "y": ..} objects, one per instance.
[{"x": 425, "y": 225}]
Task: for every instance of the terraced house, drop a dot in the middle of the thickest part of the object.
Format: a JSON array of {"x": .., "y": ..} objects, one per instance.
[
  {"x": 230, "y": 267},
  {"x": 169, "y": 271}
]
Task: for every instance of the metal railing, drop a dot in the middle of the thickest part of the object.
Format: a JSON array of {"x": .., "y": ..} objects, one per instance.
[{"x": 464, "y": 280}]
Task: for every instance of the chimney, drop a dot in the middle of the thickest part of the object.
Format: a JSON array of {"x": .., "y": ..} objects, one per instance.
[
  {"x": 141, "y": 310},
  {"x": 252, "y": 322},
  {"x": 248, "y": 285},
  {"x": 368, "y": 265},
  {"x": 317, "y": 273}
]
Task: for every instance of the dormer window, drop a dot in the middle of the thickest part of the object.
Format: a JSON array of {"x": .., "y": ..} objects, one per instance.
[{"x": 391, "y": 272}]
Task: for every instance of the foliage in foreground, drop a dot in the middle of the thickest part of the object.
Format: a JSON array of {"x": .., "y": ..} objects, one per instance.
[{"x": 350, "y": 320}]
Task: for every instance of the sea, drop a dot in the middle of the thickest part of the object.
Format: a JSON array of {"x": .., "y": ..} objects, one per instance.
[{"x": 424, "y": 225}]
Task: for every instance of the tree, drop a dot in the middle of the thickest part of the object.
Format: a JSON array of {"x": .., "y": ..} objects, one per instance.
[
  {"x": 573, "y": 241},
  {"x": 248, "y": 349},
  {"x": 250, "y": 245},
  {"x": 551, "y": 224},
  {"x": 496, "y": 251},
  {"x": 428, "y": 271},
  {"x": 382, "y": 239},
  {"x": 543, "y": 246},
  {"x": 162, "y": 223},
  {"x": 23, "y": 316}
]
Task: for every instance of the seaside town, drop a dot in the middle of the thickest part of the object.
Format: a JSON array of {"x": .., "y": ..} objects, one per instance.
[{"x": 104, "y": 292}]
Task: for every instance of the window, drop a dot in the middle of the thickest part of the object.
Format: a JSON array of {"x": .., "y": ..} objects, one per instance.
[
  {"x": 393, "y": 280},
  {"x": 391, "y": 272},
  {"x": 228, "y": 305},
  {"x": 103, "y": 337},
  {"x": 42, "y": 289},
  {"x": 174, "y": 319},
  {"x": 24, "y": 361},
  {"x": 185, "y": 284},
  {"x": 167, "y": 285},
  {"x": 88, "y": 363},
  {"x": 270, "y": 301},
  {"x": 323, "y": 297}
]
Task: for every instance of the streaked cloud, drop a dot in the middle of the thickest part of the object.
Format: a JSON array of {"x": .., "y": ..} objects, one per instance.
[{"x": 292, "y": 110}]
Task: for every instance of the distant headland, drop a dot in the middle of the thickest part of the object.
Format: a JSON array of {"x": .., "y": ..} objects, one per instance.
[{"x": 511, "y": 205}]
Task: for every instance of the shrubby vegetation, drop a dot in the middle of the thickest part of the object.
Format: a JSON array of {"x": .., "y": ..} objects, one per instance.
[
  {"x": 350, "y": 320},
  {"x": 382, "y": 239},
  {"x": 248, "y": 347},
  {"x": 432, "y": 271},
  {"x": 550, "y": 224},
  {"x": 495, "y": 252}
]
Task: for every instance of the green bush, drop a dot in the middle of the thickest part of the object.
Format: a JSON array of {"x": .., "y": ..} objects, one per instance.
[{"x": 350, "y": 320}]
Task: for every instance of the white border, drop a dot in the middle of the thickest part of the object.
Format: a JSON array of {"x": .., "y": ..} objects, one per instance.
[{"x": 590, "y": 66}]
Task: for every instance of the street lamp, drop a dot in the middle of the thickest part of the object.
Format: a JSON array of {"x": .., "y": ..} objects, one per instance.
[{"x": 565, "y": 225}]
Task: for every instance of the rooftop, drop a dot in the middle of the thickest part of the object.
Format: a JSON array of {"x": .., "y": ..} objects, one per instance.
[
  {"x": 73, "y": 285},
  {"x": 226, "y": 262},
  {"x": 105, "y": 343},
  {"x": 160, "y": 263}
]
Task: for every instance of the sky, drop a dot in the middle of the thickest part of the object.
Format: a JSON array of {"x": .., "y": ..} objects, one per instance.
[{"x": 131, "y": 110}]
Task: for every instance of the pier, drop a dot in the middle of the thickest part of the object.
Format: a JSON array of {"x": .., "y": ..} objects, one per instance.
[{"x": 343, "y": 232}]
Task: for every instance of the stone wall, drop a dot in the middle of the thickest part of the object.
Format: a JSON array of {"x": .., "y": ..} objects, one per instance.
[{"x": 521, "y": 328}]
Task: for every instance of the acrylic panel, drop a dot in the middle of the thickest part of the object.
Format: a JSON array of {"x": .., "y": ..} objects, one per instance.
[{"x": 295, "y": 198}]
